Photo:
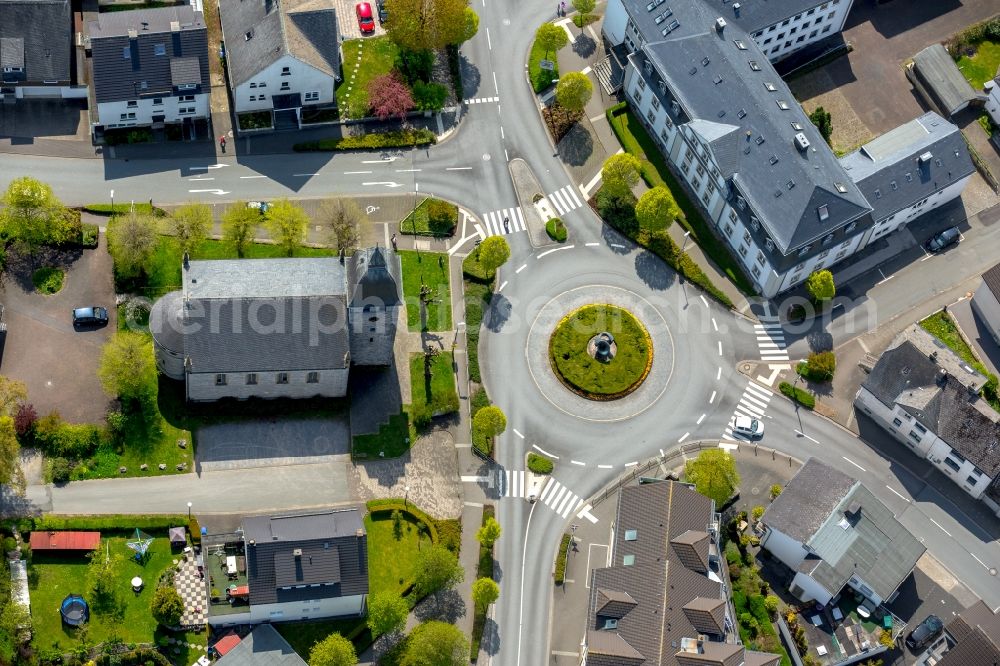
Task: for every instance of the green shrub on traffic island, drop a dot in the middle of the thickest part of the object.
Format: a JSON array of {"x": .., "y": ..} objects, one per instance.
[
  {"x": 556, "y": 230},
  {"x": 539, "y": 464}
]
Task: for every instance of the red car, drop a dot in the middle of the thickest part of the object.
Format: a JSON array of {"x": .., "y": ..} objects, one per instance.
[{"x": 365, "y": 20}]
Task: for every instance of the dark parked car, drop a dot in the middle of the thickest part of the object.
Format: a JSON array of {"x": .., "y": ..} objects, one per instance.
[
  {"x": 383, "y": 13},
  {"x": 925, "y": 632},
  {"x": 942, "y": 240},
  {"x": 93, "y": 316},
  {"x": 365, "y": 21}
]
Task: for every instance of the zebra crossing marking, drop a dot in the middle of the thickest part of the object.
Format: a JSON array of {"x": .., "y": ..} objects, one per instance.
[
  {"x": 482, "y": 100},
  {"x": 753, "y": 404},
  {"x": 494, "y": 225},
  {"x": 554, "y": 495},
  {"x": 565, "y": 199},
  {"x": 771, "y": 340}
]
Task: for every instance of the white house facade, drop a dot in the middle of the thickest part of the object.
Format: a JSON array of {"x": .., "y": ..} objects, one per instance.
[
  {"x": 926, "y": 397},
  {"x": 278, "y": 78},
  {"x": 150, "y": 68},
  {"x": 993, "y": 99}
]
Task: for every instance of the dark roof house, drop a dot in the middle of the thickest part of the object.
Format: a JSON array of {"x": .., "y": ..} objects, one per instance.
[
  {"x": 36, "y": 41},
  {"x": 625, "y": 625},
  {"x": 149, "y": 53},
  {"x": 306, "y": 556},
  {"x": 976, "y": 636},
  {"x": 263, "y": 646},
  {"x": 938, "y": 74}
]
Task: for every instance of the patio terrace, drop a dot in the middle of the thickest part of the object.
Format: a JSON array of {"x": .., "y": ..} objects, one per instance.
[
  {"x": 216, "y": 551},
  {"x": 837, "y": 632}
]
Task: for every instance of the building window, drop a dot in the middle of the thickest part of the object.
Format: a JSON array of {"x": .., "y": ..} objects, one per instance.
[
  {"x": 663, "y": 134},
  {"x": 253, "y": 85},
  {"x": 157, "y": 101},
  {"x": 971, "y": 480},
  {"x": 132, "y": 104},
  {"x": 637, "y": 96},
  {"x": 813, "y": 34},
  {"x": 251, "y": 379},
  {"x": 312, "y": 378},
  {"x": 756, "y": 271},
  {"x": 286, "y": 71},
  {"x": 729, "y": 230},
  {"x": 650, "y": 116},
  {"x": 919, "y": 427},
  {"x": 743, "y": 251},
  {"x": 282, "y": 378},
  {"x": 746, "y": 237},
  {"x": 826, "y": 29},
  {"x": 628, "y": 560},
  {"x": 220, "y": 380},
  {"x": 312, "y": 96},
  {"x": 253, "y": 98},
  {"x": 760, "y": 257},
  {"x": 186, "y": 98},
  {"x": 127, "y": 53},
  {"x": 957, "y": 456},
  {"x": 159, "y": 49},
  {"x": 897, "y": 422},
  {"x": 284, "y": 86},
  {"x": 950, "y": 463},
  {"x": 186, "y": 110},
  {"x": 262, "y": 84},
  {"x": 631, "y": 535}
]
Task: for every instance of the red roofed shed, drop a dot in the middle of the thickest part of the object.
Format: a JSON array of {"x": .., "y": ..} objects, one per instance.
[
  {"x": 50, "y": 541},
  {"x": 226, "y": 643}
]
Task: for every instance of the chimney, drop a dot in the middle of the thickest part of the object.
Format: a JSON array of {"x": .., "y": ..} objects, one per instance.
[
  {"x": 297, "y": 553},
  {"x": 934, "y": 356},
  {"x": 720, "y": 24},
  {"x": 175, "y": 26},
  {"x": 187, "y": 261},
  {"x": 133, "y": 33}
]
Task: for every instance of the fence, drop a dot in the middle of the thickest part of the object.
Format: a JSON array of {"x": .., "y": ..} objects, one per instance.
[{"x": 682, "y": 452}]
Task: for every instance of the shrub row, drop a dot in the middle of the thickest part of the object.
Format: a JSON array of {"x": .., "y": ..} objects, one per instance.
[
  {"x": 393, "y": 139},
  {"x": 110, "y": 523},
  {"x": 803, "y": 397},
  {"x": 477, "y": 300},
  {"x": 122, "y": 208},
  {"x": 455, "y": 69},
  {"x": 484, "y": 570},
  {"x": 560, "y": 575},
  {"x": 479, "y": 400},
  {"x": 396, "y": 504}
]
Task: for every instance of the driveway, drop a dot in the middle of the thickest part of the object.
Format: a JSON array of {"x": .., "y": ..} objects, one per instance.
[
  {"x": 58, "y": 364},
  {"x": 868, "y": 85},
  {"x": 272, "y": 442},
  {"x": 44, "y": 118}
]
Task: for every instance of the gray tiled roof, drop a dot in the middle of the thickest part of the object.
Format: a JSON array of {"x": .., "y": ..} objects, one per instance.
[
  {"x": 714, "y": 82},
  {"x": 185, "y": 70},
  {"x": 11, "y": 51},
  {"x": 861, "y": 535},
  {"x": 45, "y": 28},
  {"x": 915, "y": 358},
  {"x": 890, "y": 172},
  {"x": 659, "y": 513},
  {"x": 757, "y": 14},
  {"x": 807, "y": 500},
  {"x": 942, "y": 77},
  {"x": 264, "y": 278},
  {"x": 308, "y": 31},
  {"x": 180, "y": 33},
  {"x": 270, "y": 544},
  {"x": 978, "y": 648},
  {"x": 977, "y": 615},
  {"x": 991, "y": 279},
  {"x": 263, "y": 646},
  {"x": 375, "y": 277}
]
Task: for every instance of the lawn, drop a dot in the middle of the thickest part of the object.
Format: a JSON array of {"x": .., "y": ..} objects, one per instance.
[
  {"x": 48, "y": 280},
  {"x": 942, "y": 326},
  {"x": 748, "y": 599},
  {"x": 428, "y": 268},
  {"x": 540, "y": 78},
  {"x": 981, "y": 67},
  {"x": 165, "y": 268},
  {"x": 431, "y": 217},
  {"x": 392, "y": 440},
  {"x": 51, "y": 579},
  {"x": 392, "y": 563},
  {"x": 302, "y": 636},
  {"x": 434, "y": 395},
  {"x": 377, "y": 57},
  {"x": 141, "y": 443},
  {"x": 636, "y": 141}
]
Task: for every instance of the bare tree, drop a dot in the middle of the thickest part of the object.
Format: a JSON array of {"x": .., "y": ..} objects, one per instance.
[{"x": 342, "y": 218}]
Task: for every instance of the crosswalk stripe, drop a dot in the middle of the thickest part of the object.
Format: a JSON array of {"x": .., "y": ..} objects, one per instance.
[
  {"x": 520, "y": 483},
  {"x": 571, "y": 194},
  {"x": 558, "y": 496},
  {"x": 748, "y": 406},
  {"x": 572, "y": 506},
  {"x": 743, "y": 411},
  {"x": 760, "y": 391},
  {"x": 751, "y": 399},
  {"x": 768, "y": 327},
  {"x": 774, "y": 355},
  {"x": 557, "y": 202},
  {"x": 548, "y": 488},
  {"x": 520, "y": 219},
  {"x": 768, "y": 345},
  {"x": 493, "y": 222},
  {"x": 506, "y": 485},
  {"x": 570, "y": 498}
]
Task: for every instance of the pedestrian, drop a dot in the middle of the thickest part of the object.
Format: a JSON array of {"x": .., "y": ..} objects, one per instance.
[
  {"x": 563, "y": 6},
  {"x": 506, "y": 224},
  {"x": 558, "y": 10},
  {"x": 393, "y": 241},
  {"x": 222, "y": 143}
]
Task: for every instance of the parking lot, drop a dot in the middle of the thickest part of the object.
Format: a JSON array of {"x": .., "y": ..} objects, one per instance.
[
  {"x": 40, "y": 118},
  {"x": 59, "y": 364},
  {"x": 347, "y": 19}
]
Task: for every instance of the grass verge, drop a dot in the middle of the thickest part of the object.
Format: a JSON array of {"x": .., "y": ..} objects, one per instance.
[
  {"x": 394, "y": 561},
  {"x": 431, "y": 217},
  {"x": 477, "y": 300},
  {"x": 432, "y": 384},
  {"x": 942, "y": 326},
  {"x": 48, "y": 280},
  {"x": 431, "y": 269},
  {"x": 560, "y": 574},
  {"x": 982, "y": 65},
  {"x": 484, "y": 569},
  {"x": 391, "y": 441},
  {"x": 636, "y": 141},
  {"x": 541, "y": 78},
  {"x": 376, "y": 56}
]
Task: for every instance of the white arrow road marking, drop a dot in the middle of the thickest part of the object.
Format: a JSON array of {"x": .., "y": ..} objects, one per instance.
[
  {"x": 387, "y": 183},
  {"x": 202, "y": 178},
  {"x": 585, "y": 513},
  {"x": 247, "y": 177},
  {"x": 216, "y": 191},
  {"x": 774, "y": 375},
  {"x": 210, "y": 166},
  {"x": 388, "y": 159}
]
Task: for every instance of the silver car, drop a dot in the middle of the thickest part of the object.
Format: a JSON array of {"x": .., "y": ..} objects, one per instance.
[{"x": 748, "y": 427}]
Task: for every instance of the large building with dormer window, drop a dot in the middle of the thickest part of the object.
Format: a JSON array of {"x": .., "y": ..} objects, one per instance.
[{"x": 762, "y": 173}]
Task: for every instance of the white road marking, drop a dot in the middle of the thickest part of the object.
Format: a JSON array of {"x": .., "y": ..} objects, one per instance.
[
  {"x": 577, "y": 462},
  {"x": 683, "y": 437},
  {"x": 939, "y": 526},
  {"x": 700, "y": 419},
  {"x": 496, "y": 88},
  {"x": 605, "y": 466},
  {"x": 617, "y": 246},
  {"x": 408, "y": 170},
  {"x": 712, "y": 399},
  {"x": 896, "y": 493},
  {"x": 816, "y": 442},
  {"x": 475, "y": 479},
  {"x": 304, "y": 175},
  {"x": 489, "y": 42},
  {"x": 544, "y": 452},
  {"x": 524, "y": 559},
  {"x": 191, "y": 179},
  {"x": 355, "y": 173},
  {"x": 248, "y": 177},
  {"x": 518, "y": 433},
  {"x": 703, "y": 299},
  {"x": 718, "y": 375},
  {"x": 979, "y": 560},
  {"x": 557, "y": 249},
  {"x": 720, "y": 347},
  {"x": 523, "y": 266},
  {"x": 382, "y": 161},
  {"x": 591, "y": 244},
  {"x": 714, "y": 325},
  {"x": 502, "y": 285},
  {"x": 585, "y": 513},
  {"x": 854, "y": 463},
  {"x": 585, "y": 189},
  {"x": 458, "y": 168},
  {"x": 210, "y": 166},
  {"x": 215, "y": 191},
  {"x": 632, "y": 464}
]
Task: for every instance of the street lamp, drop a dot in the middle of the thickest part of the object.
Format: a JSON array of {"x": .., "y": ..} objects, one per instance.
[
  {"x": 189, "y": 510},
  {"x": 406, "y": 495},
  {"x": 112, "y": 202},
  {"x": 687, "y": 235}
]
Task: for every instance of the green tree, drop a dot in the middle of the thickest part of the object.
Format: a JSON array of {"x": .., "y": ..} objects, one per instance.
[
  {"x": 287, "y": 223},
  {"x": 342, "y": 217},
  {"x": 584, "y": 7},
  {"x": 821, "y": 365},
  {"x": 128, "y": 369},
  {"x": 488, "y": 534},
  {"x": 397, "y": 524},
  {"x": 132, "y": 242},
  {"x": 420, "y": 25},
  {"x": 191, "y": 224},
  {"x": 820, "y": 285},
  {"x": 103, "y": 574},
  {"x": 657, "y": 209},
  {"x": 167, "y": 607},
  {"x": 10, "y": 456},
  {"x": 334, "y": 650},
  {"x": 15, "y": 622},
  {"x": 436, "y": 643},
  {"x": 620, "y": 174},
  {"x": 437, "y": 570},
  {"x": 484, "y": 592},
  {"x": 471, "y": 24},
  {"x": 239, "y": 225},
  {"x": 13, "y": 393},
  {"x": 574, "y": 91},
  {"x": 824, "y": 123},
  {"x": 387, "y": 612},
  {"x": 34, "y": 215},
  {"x": 491, "y": 421},
  {"x": 551, "y": 38},
  {"x": 493, "y": 253},
  {"x": 714, "y": 475}
]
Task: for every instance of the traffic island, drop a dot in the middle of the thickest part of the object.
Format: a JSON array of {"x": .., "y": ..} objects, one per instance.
[{"x": 601, "y": 352}]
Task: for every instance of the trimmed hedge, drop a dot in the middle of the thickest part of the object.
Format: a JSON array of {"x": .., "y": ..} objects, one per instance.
[
  {"x": 396, "y": 504},
  {"x": 539, "y": 464},
  {"x": 560, "y": 575},
  {"x": 800, "y": 396},
  {"x": 393, "y": 139},
  {"x": 556, "y": 229},
  {"x": 138, "y": 657},
  {"x": 52, "y": 522},
  {"x": 120, "y": 208}
]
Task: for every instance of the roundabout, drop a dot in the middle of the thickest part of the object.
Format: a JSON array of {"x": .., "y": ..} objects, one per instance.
[{"x": 601, "y": 352}]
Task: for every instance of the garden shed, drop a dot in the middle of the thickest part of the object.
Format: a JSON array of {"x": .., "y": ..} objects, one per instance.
[
  {"x": 67, "y": 542},
  {"x": 939, "y": 80},
  {"x": 178, "y": 536}
]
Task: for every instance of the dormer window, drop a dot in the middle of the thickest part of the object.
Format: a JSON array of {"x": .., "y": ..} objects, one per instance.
[
  {"x": 159, "y": 49},
  {"x": 805, "y": 250},
  {"x": 754, "y": 66},
  {"x": 796, "y": 126},
  {"x": 754, "y": 223},
  {"x": 824, "y": 212},
  {"x": 127, "y": 53},
  {"x": 782, "y": 104},
  {"x": 841, "y": 187},
  {"x": 610, "y": 623},
  {"x": 248, "y": 35},
  {"x": 828, "y": 239},
  {"x": 740, "y": 45},
  {"x": 631, "y": 535},
  {"x": 878, "y": 194},
  {"x": 770, "y": 86}
]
